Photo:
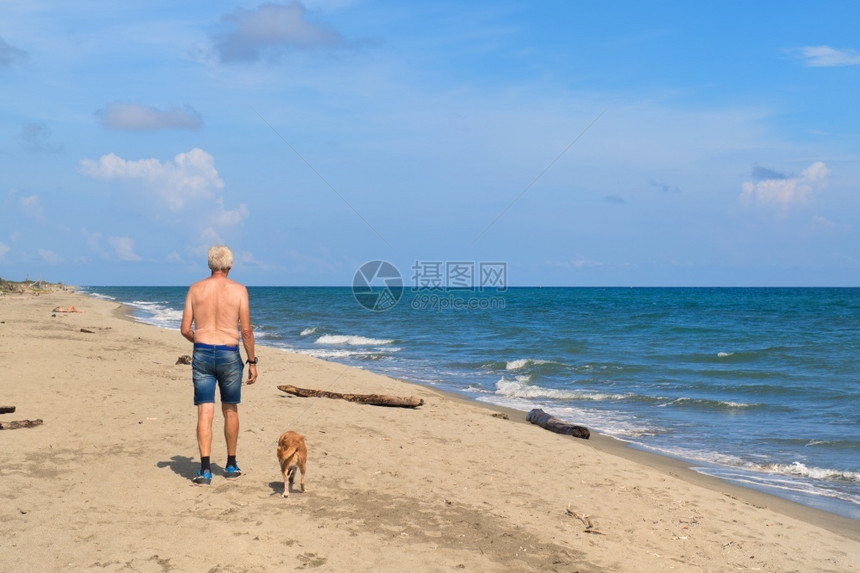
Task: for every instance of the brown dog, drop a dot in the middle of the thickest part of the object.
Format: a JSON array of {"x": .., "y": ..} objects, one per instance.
[{"x": 292, "y": 452}]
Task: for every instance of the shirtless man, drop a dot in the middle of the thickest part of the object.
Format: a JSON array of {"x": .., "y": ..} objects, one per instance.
[{"x": 215, "y": 306}]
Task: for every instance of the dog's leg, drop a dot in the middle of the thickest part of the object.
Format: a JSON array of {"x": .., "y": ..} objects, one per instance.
[
  {"x": 303, "y": 468},
  {"x": 287, "y": 479}
]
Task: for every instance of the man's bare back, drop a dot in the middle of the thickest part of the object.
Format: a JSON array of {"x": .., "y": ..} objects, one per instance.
[{"x": 218, "y": 308}]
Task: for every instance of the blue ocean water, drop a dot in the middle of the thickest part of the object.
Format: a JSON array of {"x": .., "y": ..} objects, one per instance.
[{"x": 758, "y": 386}]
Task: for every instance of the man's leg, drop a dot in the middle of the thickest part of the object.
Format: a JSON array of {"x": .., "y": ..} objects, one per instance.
[
  {"x": 231, "y": 395},
  {"x": 231, "y": 426},
  {"x": 205, "y": 414}
]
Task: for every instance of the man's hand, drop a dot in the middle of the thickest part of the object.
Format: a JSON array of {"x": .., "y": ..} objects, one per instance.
[{"x": 252, "y": 373}]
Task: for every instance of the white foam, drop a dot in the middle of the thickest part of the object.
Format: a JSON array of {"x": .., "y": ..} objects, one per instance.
[
  {"x": 705, "y": 402},
  {"x": 350, "y": 353},
  {"x": 794, "y": 469},
  {"x": 724, "y": 354},
  {"x": 803, "y": 485},
  {"x": 101, "y": 296},
  {"x": 519, "y": 388},
  {"x": 329, "y": 353},
  {"x": 477, "y": 389},
  {"x": 697, "y": 455},
  {"x": 308, "y": 331},
  {"x": 158, "y": 313},
  {"x": 352, "y": 340},
  {"x": 802, "y": 470},
  {"x": 524, "y": 362}
]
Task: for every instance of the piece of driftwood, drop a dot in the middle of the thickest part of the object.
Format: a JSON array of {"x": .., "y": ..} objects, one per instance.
[
  {"x": 7, "y": 409},
  {"x": 19, "y": 424},
  {"x": 552, "y": 424},
  {"x": 372, "y": 399}
]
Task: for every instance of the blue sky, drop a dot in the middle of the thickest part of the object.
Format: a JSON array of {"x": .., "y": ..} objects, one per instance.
[{"x": 581, "y": 143}]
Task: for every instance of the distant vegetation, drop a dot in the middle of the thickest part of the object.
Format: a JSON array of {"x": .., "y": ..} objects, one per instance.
[{"x": 27, "y": 287}]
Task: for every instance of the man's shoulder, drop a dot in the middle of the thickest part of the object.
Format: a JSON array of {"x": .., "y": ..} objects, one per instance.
[
  {"x": 197, "y": 285},
  {"x": 236, "y": 289},
  {"x": 236, "y": 285}
]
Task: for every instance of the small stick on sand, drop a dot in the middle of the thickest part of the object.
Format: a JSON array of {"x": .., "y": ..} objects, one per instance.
[{"x": 586, "y": 521}]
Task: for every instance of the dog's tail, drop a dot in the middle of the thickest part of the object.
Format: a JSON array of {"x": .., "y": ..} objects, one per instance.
[{"x": 288, "y": 453}]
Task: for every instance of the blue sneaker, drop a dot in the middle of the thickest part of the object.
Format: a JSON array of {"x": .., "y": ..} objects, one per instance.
[
  {"x": 203, "y": 478},
  {"x": 232, "y": 472}
]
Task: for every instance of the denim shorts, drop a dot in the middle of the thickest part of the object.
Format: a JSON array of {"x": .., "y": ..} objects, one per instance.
[{"x": 217, "y": 365}]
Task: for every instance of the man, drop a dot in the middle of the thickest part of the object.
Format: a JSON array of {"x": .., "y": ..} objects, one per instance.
[{"x": 215, "y": 306}]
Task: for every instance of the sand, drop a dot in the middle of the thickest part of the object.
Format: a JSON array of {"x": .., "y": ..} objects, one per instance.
[{"x": 104, "y": 484}]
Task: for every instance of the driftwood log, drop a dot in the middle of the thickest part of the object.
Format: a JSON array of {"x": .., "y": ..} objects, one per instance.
[
  {"x": 373, "y": 399},
  {"x": 19, "y": 424},
  {"x": 552, "y": 424},
  {"x": 7, "y": 409}
]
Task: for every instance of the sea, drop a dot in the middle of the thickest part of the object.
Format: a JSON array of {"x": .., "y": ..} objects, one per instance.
[{"x": 756, "y": 386}]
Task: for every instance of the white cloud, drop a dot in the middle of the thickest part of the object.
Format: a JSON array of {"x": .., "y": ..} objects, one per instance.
[
  {"x": 136, "y": 117},
  {"x": 190, "y": 175},
  {"x": 4, "y": 250},
  {"x": 826, "y": 57},
  {"x": 229, "y": 217},
  {"x": 221, "y": 219},
  {"x": 784, "y": 192},
  {"x": 32, "y": 207},
  {"x": 50, "y": 257},
  {"x": 123, "y": 247},
  {"x": 271, "y": 26},
  {"x": 247, "y": 258}
]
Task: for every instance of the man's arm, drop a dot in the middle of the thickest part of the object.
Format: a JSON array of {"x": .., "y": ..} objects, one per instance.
[
  {"x": 187, "y": 318},
  {"x": 247, "y": 334}
]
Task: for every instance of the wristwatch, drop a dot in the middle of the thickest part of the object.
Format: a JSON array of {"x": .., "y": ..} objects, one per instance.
[{"x": 254, "y": 361}]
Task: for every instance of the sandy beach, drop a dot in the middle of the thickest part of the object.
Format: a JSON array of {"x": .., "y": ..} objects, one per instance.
[{"x": 104, "y": 483}]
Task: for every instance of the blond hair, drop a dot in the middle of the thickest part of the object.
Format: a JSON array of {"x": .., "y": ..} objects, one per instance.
[{"x": 220, "y": 258}]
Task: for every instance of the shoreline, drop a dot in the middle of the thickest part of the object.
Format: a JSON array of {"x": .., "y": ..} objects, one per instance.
[{"x": 446, "y": 486}]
